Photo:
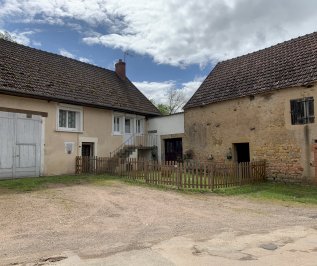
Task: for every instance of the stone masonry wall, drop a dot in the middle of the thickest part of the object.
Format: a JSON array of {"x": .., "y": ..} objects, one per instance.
[{"x": 263, "y": 121}]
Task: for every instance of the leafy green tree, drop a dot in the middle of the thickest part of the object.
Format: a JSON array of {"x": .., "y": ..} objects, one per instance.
[{"x": 163, "y": 108}]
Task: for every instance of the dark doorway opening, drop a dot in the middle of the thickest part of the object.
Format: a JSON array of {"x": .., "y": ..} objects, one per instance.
[
  {"x": 87, "y": 149},
  {"x": 173, "y": 149},
  {"x": 242, "y": 152}
]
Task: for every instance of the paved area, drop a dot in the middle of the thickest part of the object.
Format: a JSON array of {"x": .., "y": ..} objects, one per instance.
[{"x": 120, "y": 224}]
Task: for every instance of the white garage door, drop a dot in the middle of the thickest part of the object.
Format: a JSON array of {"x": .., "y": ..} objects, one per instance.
[{"x": 20, "y": 145}]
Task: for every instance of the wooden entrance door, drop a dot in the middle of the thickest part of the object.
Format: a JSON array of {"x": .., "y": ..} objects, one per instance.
[
  {"x": 87, "y": 151},
  {"x": 173, "y": 149}
]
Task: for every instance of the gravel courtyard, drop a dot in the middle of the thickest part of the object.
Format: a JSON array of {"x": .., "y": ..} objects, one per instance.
[{"x": 121, "y": 224}]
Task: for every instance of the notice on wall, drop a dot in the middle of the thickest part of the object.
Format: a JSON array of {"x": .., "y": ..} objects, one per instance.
[{"x": 69, "y": 147}]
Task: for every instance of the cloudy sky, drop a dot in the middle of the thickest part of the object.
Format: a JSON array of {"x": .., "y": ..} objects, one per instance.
[{"x": 168, "y": 43}]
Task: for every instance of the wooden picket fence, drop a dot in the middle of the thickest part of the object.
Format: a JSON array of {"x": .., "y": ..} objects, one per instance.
[{"x": 187, "y": 175}]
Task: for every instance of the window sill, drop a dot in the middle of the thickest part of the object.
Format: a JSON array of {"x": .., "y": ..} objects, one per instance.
[
  {"x": 117, "y": 134},
  {"x": 69, "y": 130}
]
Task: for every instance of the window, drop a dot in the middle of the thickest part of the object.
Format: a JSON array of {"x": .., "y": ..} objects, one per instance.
[
  {"x": 116, "y": 125},
  {"x": 302, "y": 111},
  {"x": 69, "y": 119},
  {"x": 127, "y": 125},
  {"x": 139, "y": 126}
]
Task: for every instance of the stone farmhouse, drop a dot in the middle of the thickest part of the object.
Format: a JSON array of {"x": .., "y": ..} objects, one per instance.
[{"x": 259, "y": 106}]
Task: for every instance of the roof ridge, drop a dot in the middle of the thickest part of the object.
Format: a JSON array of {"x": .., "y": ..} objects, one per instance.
[
  {"x": 270, "y": 47},
  {"x": 54, "y": 54},
  {"x": 287, "y": 64},
  {"x": 34, "y": 73}
]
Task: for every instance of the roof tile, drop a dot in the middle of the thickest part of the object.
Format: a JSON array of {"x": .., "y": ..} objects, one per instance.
[
  {"x": 34, "y": 73},
  {"x": 288, "y": 64}
]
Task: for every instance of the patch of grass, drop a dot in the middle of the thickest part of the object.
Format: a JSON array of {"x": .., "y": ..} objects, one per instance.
[
  {"x": 37, "y": 183},
  {"x": 274, "y": 191}
]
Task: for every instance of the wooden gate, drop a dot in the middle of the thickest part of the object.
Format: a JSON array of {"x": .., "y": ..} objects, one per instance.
[{"x": 20, "y": 145}]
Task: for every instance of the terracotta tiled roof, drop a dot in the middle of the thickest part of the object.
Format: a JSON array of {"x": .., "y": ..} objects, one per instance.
[
  {"x": 288, "y": 64},
  {"x": 29, "y": 72}
]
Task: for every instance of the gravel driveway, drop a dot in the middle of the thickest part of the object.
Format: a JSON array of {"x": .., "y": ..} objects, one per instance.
[{"x": 121, "y": 224}]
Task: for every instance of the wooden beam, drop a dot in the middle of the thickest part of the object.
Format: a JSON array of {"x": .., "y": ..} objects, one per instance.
[{"x": 22, "y": 111}]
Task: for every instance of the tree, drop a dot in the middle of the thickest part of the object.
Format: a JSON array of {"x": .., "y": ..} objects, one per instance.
[
  {"x": 175, "y": 101},
  {"x": 6, "y": 36},
  {"x": 163, "y": 108}
]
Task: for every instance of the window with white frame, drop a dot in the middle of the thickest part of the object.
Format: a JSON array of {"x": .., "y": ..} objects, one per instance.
[
  {"x": 125, "y": 124},
  {"x": 139, "y": 125},
  {"x": 117, "y": 128},
  {"x": 69, "y": 118}
]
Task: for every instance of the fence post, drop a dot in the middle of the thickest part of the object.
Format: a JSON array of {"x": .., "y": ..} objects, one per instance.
[
  {"x": 264, "y": 170},
  {"x": 252, "y": 176},
  {"x": 239, "y": 173},
  {"x": 77, "y": 171},
  {"x": 146, "y": 166},
  {"x": 181, "y": 165},
  {"x": 212, "y": 181}
]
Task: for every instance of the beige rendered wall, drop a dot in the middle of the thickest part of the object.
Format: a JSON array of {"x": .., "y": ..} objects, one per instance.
[
  {"x": 97, "y": 126},
  {"x": 167, "y": 127},
  {"x": 264, "y": 122}
]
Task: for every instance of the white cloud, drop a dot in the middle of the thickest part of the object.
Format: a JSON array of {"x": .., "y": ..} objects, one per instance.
[
  {"x": 20, "y": 37},
  {"x": 157, "y": 90},
  {"x": 190, "y": 87},
  {"x": 85, "y": 60},
  {"x": 177, "y": 32},
  {"x": 23, "y": 37},
  {"x": 68, "y": 54},
  {"x": 36, "y": 43}
]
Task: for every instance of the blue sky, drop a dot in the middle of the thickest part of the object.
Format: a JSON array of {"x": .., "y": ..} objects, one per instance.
[{"x": 170, "y": 44}]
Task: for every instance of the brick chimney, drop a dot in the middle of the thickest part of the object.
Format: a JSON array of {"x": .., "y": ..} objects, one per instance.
[{"x": 120, "y": 69}]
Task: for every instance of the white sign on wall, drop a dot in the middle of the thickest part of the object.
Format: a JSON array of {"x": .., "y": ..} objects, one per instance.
[{"x": 69, "y": 147}]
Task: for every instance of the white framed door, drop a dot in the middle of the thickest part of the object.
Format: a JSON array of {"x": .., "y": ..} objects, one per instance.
[
  {"x": 128, "y": 128},
  {"x": 20, "y": 145}
]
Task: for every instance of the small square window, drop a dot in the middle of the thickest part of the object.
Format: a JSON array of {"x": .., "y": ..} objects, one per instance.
[{"x": 302, "y": 111}]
